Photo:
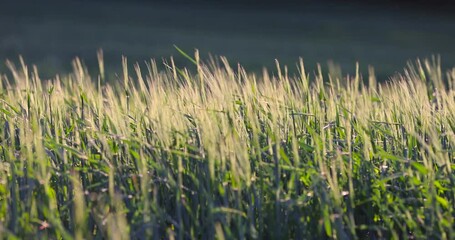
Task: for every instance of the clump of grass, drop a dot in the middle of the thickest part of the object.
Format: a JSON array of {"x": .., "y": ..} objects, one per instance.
[{"x": 226, "y": 154}]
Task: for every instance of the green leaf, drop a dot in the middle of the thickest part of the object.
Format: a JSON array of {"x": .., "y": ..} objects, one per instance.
[
  {"x": 135, "y": 154},
  {"x": 385, "y": 155},
  {"x": 229, "y": 210},
  {"x": 419, "y": 167},
  {"x": 185, "y": 55},
  {"x": 375, "y": 99},
  {"x": 284, "y": 156},
  {"x": 442, "y": 201},
  {"x": 327, "y": 224},
  {"x": 8, "y": 113}
]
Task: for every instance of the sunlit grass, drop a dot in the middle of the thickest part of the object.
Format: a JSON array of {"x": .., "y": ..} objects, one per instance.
[{"x": 225, "y": 154}]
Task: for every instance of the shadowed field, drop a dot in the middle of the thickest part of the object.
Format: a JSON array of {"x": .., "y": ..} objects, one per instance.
[{"x": 52, "y": 34}]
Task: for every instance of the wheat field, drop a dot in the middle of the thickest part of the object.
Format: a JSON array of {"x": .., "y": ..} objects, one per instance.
[{"x": 221, "y": 153}]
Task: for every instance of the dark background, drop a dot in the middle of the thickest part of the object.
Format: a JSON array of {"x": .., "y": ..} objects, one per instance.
[{"x": 384, "y": 34}]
